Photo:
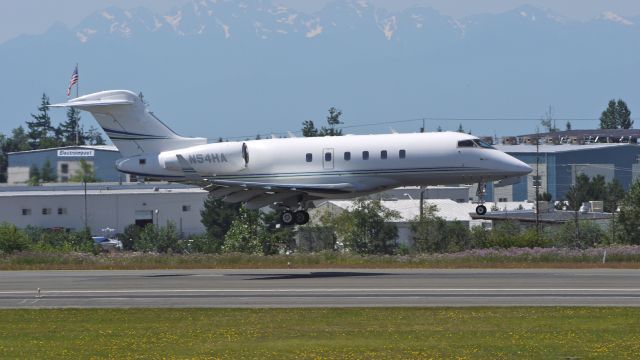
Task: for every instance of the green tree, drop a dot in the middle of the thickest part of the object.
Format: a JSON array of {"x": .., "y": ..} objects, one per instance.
[
  {"x": 309, "y": 129},
  {"x": 4, "y": 161},
  {"x": 130, "y": 236},
  {"x": 40, "y": 127},
  {"x": 429, "y": 231},
  {"x": 217, "y": 217},
  {"x": 608, "y": 117},
  {"x": 12, "y": 239},
  {"x": 47, "y": 174},
  {"x": 243, "y": 235},
  {"x": 34, "y": 175},
  {"x": 591, "y": 234},
  {"x": 629, "y": 218},
  {"x": 168, "y": 239},
  {"x": 333, "y": 120},
  {"x": 366, "y": 228},
  {"x": 623, "y": 115},
  {"x": 568, "y": 126},
  {"x": 94, "y": 137},
  {"x": 147, "y": 239},
  {"x": 69, "y": 131},
  {"x": 460, "y": 129},
  {"x": 576, "y": 196},
  {"x": 86, "y": 173}
]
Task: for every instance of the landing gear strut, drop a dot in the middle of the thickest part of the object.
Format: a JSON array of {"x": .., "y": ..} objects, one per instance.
[
  {"x": 299, "y": 217},
  {"x": 482, "y": 189}
]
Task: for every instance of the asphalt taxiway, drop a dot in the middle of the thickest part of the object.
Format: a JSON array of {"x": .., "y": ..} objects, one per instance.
[{"x": 318, "y": 288}]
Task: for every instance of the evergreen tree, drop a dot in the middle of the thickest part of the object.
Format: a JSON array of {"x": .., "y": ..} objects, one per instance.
[
  {"x": 309, "y": 129},
  {"x": 568, "y": 126},
  {"x": 34, "y": 175},
  {"x": 439, "y": 128},
  {"x": 19, "y": 140},
  {"x": 94, "y": 136},
  {"x": 460, "y": 129},
  {"x": 623, "y": 115},
  {"x": 40, "y": 127},
  {"x": 70, "y": 130},
  {"x": 608, "y": 117},
  {"x": 47, "y": 174},
  {"x": 217, "y": 217},
  {"x": 613, "y": 196},
  {"x": 333, "y": 119},
  {"x": 629, "y": 218}
]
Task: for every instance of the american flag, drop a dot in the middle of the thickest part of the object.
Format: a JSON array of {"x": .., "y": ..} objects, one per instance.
[{"x": 74, "y": 80}]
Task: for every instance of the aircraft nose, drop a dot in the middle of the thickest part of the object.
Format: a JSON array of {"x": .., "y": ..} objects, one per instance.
[{"x": 518, "y": 167}]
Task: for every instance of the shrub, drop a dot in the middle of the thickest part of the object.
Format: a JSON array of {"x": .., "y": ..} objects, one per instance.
[{"x": 12, "y": 239}]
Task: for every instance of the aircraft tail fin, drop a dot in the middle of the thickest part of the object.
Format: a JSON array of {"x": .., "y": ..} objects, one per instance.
[{"x": 126, "y": 121}]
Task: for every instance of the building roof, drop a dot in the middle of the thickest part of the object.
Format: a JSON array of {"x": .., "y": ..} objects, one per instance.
[
  {"x": 88, "y": 147},
  {"x": 549, "y": 148},
  {"x": 97, "y": 189},
  {"x": 553, "y": 217},
  {"x": 447, "y": 209},
  {"x": 588, "y": 132}
]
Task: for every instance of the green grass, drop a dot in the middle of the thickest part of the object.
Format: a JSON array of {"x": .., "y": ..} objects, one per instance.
[
  {"x": 142, "y": 261},
  {"x": 371, "y": 333}
]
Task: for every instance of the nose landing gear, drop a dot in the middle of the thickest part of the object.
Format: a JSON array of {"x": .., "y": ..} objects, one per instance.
[{"x": 482, "y": 189}]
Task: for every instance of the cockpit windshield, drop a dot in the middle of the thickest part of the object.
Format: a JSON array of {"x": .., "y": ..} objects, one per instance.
[{"x": 474, "y": 143}]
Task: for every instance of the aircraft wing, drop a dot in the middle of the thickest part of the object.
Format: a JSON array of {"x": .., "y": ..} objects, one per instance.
[{"x": 259, "y": 194}]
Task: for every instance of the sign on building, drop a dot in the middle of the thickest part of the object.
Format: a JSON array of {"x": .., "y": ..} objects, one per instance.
[{"x": 76, "y": 153}]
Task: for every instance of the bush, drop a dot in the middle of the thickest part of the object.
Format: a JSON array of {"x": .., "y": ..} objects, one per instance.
[{"x": 12, "y": 239}]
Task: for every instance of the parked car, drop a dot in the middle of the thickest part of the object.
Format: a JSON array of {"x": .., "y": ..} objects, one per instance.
[{"x": 106, "y": 243}]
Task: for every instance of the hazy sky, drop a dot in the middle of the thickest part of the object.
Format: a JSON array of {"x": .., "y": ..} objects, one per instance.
[{"x": 35, "y": 16}]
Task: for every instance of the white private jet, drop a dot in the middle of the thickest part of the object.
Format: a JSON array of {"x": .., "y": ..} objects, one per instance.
[{"x": 291, "y": 173}]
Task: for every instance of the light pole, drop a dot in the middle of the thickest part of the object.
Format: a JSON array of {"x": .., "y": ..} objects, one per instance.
[{"x": 157, "y": 213}]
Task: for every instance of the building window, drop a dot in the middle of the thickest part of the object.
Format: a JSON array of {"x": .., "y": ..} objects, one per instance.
[
  {"x": 309, "y": 157},
  {"x": 347, "y": 156},
  {"x": 46, "y": 211},
  {"x": 502, "y": 199},
  {"x": 365, "y": 155},
  {"x": 327, "y": 156},
  {"x": 383, "y": 154},
  {"x": 62, "y": 211},
  {"x": 26, "y": 212},
  {"x": 186, "y": 208},
  {"x": 64, "y": 168},
  {"x": 64, "y": 178},
  {"x": 142, "y": 161},
  {"x": 402, "y": 154}
]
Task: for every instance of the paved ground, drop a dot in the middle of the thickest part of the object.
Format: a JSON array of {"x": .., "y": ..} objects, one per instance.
[{"x": 331, "y": 288}]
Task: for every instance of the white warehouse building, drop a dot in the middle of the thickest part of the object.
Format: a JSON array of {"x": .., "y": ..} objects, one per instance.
[{"x": 108, "y": 206}]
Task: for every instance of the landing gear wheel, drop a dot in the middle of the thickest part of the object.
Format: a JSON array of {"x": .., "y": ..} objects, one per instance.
[
  {"x": 481, "y": 210},
  {"x": 301, "y": 217},
  {"x": 287, "y": 218}
]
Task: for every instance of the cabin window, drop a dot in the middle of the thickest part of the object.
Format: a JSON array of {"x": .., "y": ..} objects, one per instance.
[
  {"x": 466, "y": 143},
  {"x": 327, "y": 156},
  {"x": 383, "y": 154},
  {"x": 309, "y": 157},
  {"x": 402, "y": 154},
  {"x": 142, "y": 161},
  {"x": 347, "y": 156},
  {"x": 365, "y": 155}
]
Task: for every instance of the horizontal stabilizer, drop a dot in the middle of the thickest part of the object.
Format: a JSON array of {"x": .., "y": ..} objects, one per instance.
[{"x": 88, "y": 103}]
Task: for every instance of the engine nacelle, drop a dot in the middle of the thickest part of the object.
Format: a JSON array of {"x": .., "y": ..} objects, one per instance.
[{"x": 209, "y": 159}]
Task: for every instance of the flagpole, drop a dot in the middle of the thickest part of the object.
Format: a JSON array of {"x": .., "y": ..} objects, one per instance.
[{"x": 78, "y": 81}]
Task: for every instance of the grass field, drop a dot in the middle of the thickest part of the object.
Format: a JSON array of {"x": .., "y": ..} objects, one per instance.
[
  {"x": 370, "y": 333},
  {"x": 621, "y": 257}
]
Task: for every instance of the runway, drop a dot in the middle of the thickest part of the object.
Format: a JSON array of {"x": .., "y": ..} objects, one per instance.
[{"x": 318, "y": 288}]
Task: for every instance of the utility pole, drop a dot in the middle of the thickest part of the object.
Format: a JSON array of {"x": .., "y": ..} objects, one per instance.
[
  {"x": 537, "y": 182},
  {"x": 422, "y": 187}
]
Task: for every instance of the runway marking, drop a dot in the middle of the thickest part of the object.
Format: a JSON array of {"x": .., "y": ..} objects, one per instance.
[{"x": 133, "y": 291}]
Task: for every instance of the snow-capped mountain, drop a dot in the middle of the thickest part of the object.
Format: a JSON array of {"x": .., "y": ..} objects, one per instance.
[{"x": 269, "y": 67}]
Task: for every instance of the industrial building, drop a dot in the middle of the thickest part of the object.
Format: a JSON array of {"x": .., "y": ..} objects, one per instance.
[
  {"x": 559, "y": 157},
  {"x": 65, "y": 162},
  {"x": 108, "y": 205}
]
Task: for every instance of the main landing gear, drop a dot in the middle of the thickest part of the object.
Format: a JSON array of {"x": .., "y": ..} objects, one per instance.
[
  {"x": 482, "y": 189},
  {"x": 299, "y": 217}
]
